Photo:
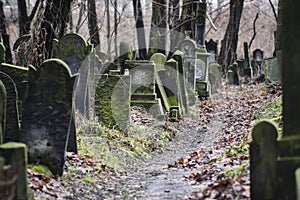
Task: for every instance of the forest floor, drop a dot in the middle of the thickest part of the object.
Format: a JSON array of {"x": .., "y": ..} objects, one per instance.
[{"x": 201, "y": 157}]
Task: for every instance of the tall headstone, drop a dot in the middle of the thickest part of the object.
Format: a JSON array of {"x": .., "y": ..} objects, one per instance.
[
  {"x": 247, "y": 65},
  {"x": 12, "y": 115},
  {"x": 112, "y": 101},
  {"x": 189, "y": 49},
  {"x": 257, "y": 60},
  {"x": 48, "y": 114},
  {"x": 277, "y": 159},
  {"x": 183, "y": 98}
]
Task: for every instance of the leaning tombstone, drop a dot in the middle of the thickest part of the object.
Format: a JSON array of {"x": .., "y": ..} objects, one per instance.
[
  {"x": 183, "y": 98},
  {"x": 12, "y": 114},
  {"x": 47, "y": 117},
  {"x": 3, "y": 98}
]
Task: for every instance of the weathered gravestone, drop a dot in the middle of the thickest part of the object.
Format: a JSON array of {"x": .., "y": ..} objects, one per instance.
[
  {"x": 257, "y": 60},
  {"x": 20, "y": 77},
  {"x": 172, "y": 88},
  {"x": 74, "y": 50},
  {"x": 112, "y": 101},
  {"x": 183, "y": 98},
  {"x": 232, "y": 74},
  {"x": 215, "y": 77},
  {"x": 47, "y": 117},
  {"x": 143, "y": 86},
  {"x": 271, "y": 69},
  {"x": 202, "y": 66},
  {"x": 212, "y": 48},
  {"x": 275, "y": 160},
  {"x": 12, "y": 116},
  {"x": 159, "y": 60},
  {"x": 15, "y": 158},
  {"x": 189, "y": 49},
  {"x": 22, "y": 49},
  {"x": 2, "y": 110}
]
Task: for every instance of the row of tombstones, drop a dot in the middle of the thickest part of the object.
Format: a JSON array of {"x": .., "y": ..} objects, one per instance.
[
  {"x": 256, "y": 68},
  {"x": 38, "y": 104}
]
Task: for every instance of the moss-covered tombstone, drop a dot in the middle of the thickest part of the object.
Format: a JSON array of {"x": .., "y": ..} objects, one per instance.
[
  {"x": 112, "y": 101},
  {"x": 47, "y": 117},
  {"x": 183, "y": 95},
  {"x": 12, "y": 115},
  {"x": 275, "y": 160},
  {"x": 272, "y": 69}
]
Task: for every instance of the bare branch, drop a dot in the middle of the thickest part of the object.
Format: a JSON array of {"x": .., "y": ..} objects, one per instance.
[{"x": 254, "y": 30}]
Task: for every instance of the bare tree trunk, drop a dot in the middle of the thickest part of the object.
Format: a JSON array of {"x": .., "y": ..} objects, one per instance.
[
  {"x": 108, "y": 30},
  {"x": 53, "y": 26},
  {"x": 5, "y": 36},
  {"x": 188, "y": 17},
  {"x": 139, "y": 25},
  {"x": 174, "y": 21},
  {"x": 24, "y": 19},
  {"x": 116, "y": 27},
  {"x": 92, "y": 22},
  {"x": 229, "y": 43},
  {"x": 158, "y": 26}
]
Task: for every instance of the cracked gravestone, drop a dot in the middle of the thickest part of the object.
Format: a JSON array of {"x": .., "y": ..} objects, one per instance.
[{"x": 48, "y": 114}]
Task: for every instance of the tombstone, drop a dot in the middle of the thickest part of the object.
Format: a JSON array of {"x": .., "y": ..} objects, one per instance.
[
  {"x": 15, "y": 159},
  {"x": 74, "y": 50},
  {"x": 172, "y": 88},
  {"x": 232, "y": 74},
  {"x": 183, "y": 98},
  {"x": 215, "y": 77},
  {"x": 143, "y": 81},
  {"x": 189, "y": 49},
  {"x": 256, "y": 63},
  {"x": 126, "y": 53},
  {"x": 112, "y": 101},
  {"x": 22, "y": 49},
  {"x": 20, "y": 77},
  {"x": 271, "y": 69},
  {"x": 159, "y": 60},
  {"x": 12, "y": 115},
  {"x": 212, "y": 48},
  {"x": 275, "y": 160},
  {"x": 48, "y": 114},
  {"x": 3, "y": 99}
]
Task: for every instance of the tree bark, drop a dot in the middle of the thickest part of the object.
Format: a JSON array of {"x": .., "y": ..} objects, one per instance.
[
  {"x": 92, "y": 22},
  {"x": 158, "y": 26},
  {"x": 5, "y": 36},
  {"x": 174, "y": 21},
  {"x": 108, "y": 30},
  {"x": 139, "y": 25},
  {"x": 24, "y": 19},
  {"x": 229, "y": 43},
  {"x": 188, "y": 17}
]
